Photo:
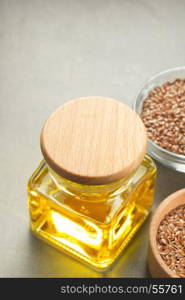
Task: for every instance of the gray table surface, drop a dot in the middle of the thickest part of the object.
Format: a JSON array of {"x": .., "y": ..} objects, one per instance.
[{"x": 51, "y": 52}]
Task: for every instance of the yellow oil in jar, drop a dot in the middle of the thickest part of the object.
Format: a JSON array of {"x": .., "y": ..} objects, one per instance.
[{"x": 91, "y": 223}]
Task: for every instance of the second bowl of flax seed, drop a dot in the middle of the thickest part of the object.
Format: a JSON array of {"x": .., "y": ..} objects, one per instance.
[{"x": 161, "y": 105}]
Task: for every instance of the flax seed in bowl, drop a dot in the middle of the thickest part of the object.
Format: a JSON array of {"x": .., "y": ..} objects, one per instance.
[
  {"x": 166, "y": 255},
  {"x": 161, "y": 105}
]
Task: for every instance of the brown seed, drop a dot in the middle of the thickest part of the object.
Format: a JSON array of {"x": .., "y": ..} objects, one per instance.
[
  {"x": 163, "y": 114},
  {"x": 171, "y": 240}
]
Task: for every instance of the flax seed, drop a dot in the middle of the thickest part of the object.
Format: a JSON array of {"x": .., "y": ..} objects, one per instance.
[
  {"x": 163, "y": 114},
  {"x": 171, "y": 240}
]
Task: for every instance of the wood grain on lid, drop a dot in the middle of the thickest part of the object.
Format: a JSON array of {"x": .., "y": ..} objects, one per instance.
[{"x": 93, "y": 140}]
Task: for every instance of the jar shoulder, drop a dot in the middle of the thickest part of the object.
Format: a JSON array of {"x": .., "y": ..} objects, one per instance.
[
  {"x": 138, "y": 189},
  {"x": 42, "y": 179}
]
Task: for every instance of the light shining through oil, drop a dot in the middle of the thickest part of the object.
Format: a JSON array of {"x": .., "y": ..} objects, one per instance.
[{"x": 93, "y": 226}]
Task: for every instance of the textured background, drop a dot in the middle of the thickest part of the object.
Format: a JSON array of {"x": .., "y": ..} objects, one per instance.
[{"x": 51, "y": 52}]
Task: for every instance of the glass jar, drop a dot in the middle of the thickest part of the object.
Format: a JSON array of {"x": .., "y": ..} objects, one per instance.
[
  {"x": 167, "y": 158},
  {"x": 84, "y": 199}
]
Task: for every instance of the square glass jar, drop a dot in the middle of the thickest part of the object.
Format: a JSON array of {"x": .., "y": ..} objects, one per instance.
[{"x": 93, "y": 223}]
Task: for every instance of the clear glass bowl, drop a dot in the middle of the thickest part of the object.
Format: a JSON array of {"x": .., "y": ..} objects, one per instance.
[{"x": 167, "y": 158}]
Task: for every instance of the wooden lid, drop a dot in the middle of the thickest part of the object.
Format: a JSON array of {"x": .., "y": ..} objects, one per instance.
[{"x": 93, "y": 140}]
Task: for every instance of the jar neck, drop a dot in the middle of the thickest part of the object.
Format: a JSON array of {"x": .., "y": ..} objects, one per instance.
[{"x": 89, "y": 192}]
